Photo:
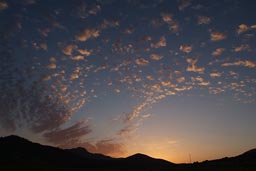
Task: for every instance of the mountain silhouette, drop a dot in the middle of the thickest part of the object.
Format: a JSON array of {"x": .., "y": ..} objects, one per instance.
[
  {"x": 82, "y": 152},
  {"x": 18, "y": 153}
]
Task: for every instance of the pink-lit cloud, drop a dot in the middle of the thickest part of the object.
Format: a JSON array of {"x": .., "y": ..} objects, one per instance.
[
  {"x": 74, "y": 132},
  {"x": 86, "y": 34},
  {"x": 216, "y": 36},
  {"x": 186, "y": 48},
  {"x": 246, "y": 63},
  {"x": 192, "y": 66},
  {"x": 156, "y": 56},
  {"x": 141, "y": 61},
  {"x": 242, "y": 47},
  {"x": 218, "y": 51},
  {"x": 160, "y": 43}
]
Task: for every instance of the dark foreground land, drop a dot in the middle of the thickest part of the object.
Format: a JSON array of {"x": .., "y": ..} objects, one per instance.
[{"x": 17, "y": 153}]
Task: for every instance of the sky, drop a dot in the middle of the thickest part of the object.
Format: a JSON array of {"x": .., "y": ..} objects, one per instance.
[{"x": 167, "y": 78}]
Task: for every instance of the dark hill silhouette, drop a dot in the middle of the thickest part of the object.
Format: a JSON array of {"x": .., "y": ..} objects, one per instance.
[
  {"x": 82, "y": 152},
  {"x": 17, "y": 150},
  {"x": 144, "y": 161},
  {"x": 19, "y": 153}
]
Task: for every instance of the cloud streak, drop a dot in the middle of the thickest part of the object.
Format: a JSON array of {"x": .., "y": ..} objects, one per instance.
[
  {"x": 246, "y": 63},
  {"x": 73, "y": 133}
]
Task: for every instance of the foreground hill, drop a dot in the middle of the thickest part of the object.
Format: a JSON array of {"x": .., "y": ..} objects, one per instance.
[{"x": 19, "y": 153}]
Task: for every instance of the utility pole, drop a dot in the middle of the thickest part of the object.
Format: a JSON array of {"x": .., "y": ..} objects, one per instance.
[{"x": 189, "y": 158}]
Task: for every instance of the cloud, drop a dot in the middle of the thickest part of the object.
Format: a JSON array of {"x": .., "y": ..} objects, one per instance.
[
  {"x": 184, "y": 88},
  {"x": 44, "y": 32},
  {"x": 192, "y": 67},
  {"x": 204, "y": 83},
  {"x": 253, "y": 26},
  {"x": 216, "y": 36},
  {"x": 117, "y": 90},
  {"x": 84, "y": 52},
  {"x": 157, "y": 87},
  {"x": 218, "y": 51},
  {"x": 74, "y": 132},
  {"x": 77, "y": 58},
  {"x": 180, "y": 79},
  {"x": 186, "y": 48},
  {"x": 215, "y": 74},
  {"x": 215, "y": 90},
  {"x": 184, "y": 4},
  {"x": 165, "y": 84},
  {"x": 146, "y": 116},
  {"x": 167, "y": 18},
  {"x": 135, "y": 112},
  {"x": 141, "y": 61},
  {"x": 150, "y": 77},
  {"x": 86, "y": 34},
  {"x": 51, "y": 66},
  {"x": 246, "y": 63},
  {"x": 203, "y": 20},
  {"x": 156, "y": 56},
  {"x": 242, "y": 28},
  {"x": 74, "y": 76},
  {"x": 109, "y": 147},
  {"x": 160, "y": 43},
  {"x": 67, "y": 50},
  {"x": 53, "y": 22},
  {"x": 174, "y": 28},
  {"x": 172, "y": 142},
  {"x": 242, "y": 47},
  {"x": 200, "y": 81},
  {"x": 127, "y": 130},
  {"x": 3, "y": 5}
]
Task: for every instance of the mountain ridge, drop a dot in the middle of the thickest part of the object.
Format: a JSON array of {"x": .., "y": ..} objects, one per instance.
[{"x": 18, "y": 151}]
